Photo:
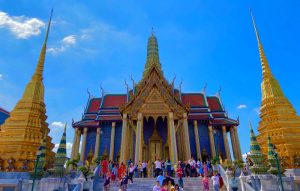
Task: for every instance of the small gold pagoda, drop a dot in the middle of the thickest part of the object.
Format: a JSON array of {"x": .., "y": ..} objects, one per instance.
[
  {"x": 278, "y": 117},
  {"x": 23, "y": 132}
]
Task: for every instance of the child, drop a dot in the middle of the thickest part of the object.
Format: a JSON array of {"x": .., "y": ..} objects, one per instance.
[
  {"x": 205, "y": 183},
  {"x": 179, "y": 175}
]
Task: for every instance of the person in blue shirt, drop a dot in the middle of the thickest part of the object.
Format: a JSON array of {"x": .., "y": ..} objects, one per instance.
[{"x": 160, "y": 178}]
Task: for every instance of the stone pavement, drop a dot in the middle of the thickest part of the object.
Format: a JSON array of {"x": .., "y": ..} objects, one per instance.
[{"x": 146, "y": 184}]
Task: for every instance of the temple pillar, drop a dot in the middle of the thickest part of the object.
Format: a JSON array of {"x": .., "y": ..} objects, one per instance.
[
  {"x": 74, "y": 144},
  {"x": 233, "y": 143},
  {"x": 124, "y": 140},
  {"x": 211, "y": 141},
  {"x": 186, "y": 137},
  {"x": 112, "y": 141},
  {"x": 227, "y": 150},
  {"x": 197, "y": 140},
  {"x": 85, "y": 130},
  {"x": 97, "y": 144},
  {"x": 237, "y": 142},
  {"x": 172, "y": 139},
  {"x": 76, "y": 150},
  {"x": 138, "y": 140}
]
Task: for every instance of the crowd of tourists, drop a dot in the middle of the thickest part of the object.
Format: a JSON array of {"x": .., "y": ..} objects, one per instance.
[{"x": 164, "y": 171}]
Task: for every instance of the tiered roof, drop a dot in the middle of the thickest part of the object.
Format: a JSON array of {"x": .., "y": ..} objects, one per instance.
[
  {"x": 3, "y": 115},
  {"x": 202, "y": 107}
]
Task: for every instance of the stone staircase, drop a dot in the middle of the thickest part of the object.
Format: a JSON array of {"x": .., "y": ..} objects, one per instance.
[{"x": 146, "y": 184}]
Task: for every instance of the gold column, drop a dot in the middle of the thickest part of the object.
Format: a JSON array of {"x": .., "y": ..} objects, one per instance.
[
  {"x": 97, "y": 144},
  {"x": 112, "y": 141},
  {"x": 227, "y": 150},
  {"x": 123, "y": 155},
  {"x": 212, "y": 142},
  {"x": 77, "y": 143},
  {"x": 233, "y": 143},
  {"x": 186, "y": 137},
  {"x": 83, "y": 144},
  {"x": 197, "y": 140},
  {"x": 237, "y": 142},
  {"x": 172, "y": 139},
  {"x": 74, "y": 143},
  {"x": 138, "y": 140}
]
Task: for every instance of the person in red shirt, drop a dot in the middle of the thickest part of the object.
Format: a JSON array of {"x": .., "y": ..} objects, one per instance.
[
  {"x": 104, "y": 167},
  {"x": 179, "y": 172}
]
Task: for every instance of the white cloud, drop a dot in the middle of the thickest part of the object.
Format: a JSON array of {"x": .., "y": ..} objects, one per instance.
[
  {"x": 21, "y": 26},
  {"x": 58, "y": 124},
  {"x": 1, "y": 76},
  {"x": 69, "y": 40},
  {"x": 65, "y": 43},
  {"x": 68, "y": 147},
  {"x": 242, "y": 106}
]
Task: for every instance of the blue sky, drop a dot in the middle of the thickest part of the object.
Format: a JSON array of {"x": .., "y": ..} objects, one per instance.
[{"x": 104, "y": 42}]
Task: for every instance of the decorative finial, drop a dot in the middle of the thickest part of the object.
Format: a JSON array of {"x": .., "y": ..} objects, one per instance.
[
  {"x": 127, "y": 87},
  {"x": 219, "y": 92},
  {"x": 204, "y": 87},
  {"x": 173, "y": 81},
  {"x": 152, "y": 31},
  {"x": 73, "y": 121},
  {"x": 88, "y": 92},
  {"x": 133, "y": 84},
  {"x": 250, "y": 125},
  {"x": 102, "y": 90}
]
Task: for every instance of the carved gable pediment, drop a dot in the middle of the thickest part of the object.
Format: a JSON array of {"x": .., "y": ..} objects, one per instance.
[{"x": 154, "y": 96}]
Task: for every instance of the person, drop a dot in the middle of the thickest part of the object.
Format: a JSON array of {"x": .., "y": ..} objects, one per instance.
[
  {"x": 106, "y": 182},
  {"x": 114, "y": 172},
  {"x": 205, "y": 169},
  {"x": 179, "y": 175},
  {"x": 171, "y": 186},
  {"x": 131, "y": 172},
  {"x": 157, "y": 167},
  {"x": 177, "y": 188},
  {"x": 104, "y": 167},
  {"x": 233, "y": 183},
  {"x": 221, "y": 182},
  {"x": 165, "y": 186},
  {"x": 216, "y": 181},
  {"x": 121, "y": 171},
  {"x": 205, "y": 183},
  {"x": 168, "y": 166},
  {"x": 144, "y": 166},
  {"x": 124, "y": 182},
  {"x": 156, "y": 187},
  {"x": 188, "y": 169},
  {"x": 160, "y": 178}
]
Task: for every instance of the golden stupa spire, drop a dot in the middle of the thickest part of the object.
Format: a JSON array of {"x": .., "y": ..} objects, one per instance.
[
  {"x": 35, "y": 88},
  {"x": 278, "y": 118},
  {"x": 270, "y": 86},
  {"x": 23, "y": 131},
  {"x": 38, "y": 74}
]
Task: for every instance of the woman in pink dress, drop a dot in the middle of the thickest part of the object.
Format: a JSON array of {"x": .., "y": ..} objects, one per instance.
[
  {"x": 205, "y": 169},
  {"x": 205, "y": 183},
  {"x": 104, "y": 167}
]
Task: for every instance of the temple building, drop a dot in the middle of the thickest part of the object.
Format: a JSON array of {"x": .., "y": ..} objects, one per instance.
[
  {"x": 153, "y": 120},
  {"x": 278, "y": 118},
  {"x": 24, "y": 130},
  {"x": 3, "y": 115}
]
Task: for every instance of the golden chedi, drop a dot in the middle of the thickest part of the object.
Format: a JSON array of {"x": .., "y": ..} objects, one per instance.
[
  {"x": 278, "y": 117},
  {"x": 23, "y": 132}
]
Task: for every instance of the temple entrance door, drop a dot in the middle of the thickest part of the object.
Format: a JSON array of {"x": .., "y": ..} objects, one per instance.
[{"x": 155, "y": 150}]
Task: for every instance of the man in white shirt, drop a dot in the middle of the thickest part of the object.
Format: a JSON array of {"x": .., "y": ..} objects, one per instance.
[
  {"x": 157, "y": 167},
  {"x": 215, "y": 179}
]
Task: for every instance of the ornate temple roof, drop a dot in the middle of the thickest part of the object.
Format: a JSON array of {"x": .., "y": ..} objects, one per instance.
[
  {"x": 3, "y": 115},
  {"x": 157, "y": 92}
]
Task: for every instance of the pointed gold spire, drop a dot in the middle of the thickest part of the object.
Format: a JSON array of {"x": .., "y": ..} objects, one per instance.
[
  {"x": 270, "y": 86},
  {"x": 38, "y": 74},
  {"x": 264, "y": 62},
  {"x": 23, "y": 131},
  {"x": 277, "y": 114}
]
